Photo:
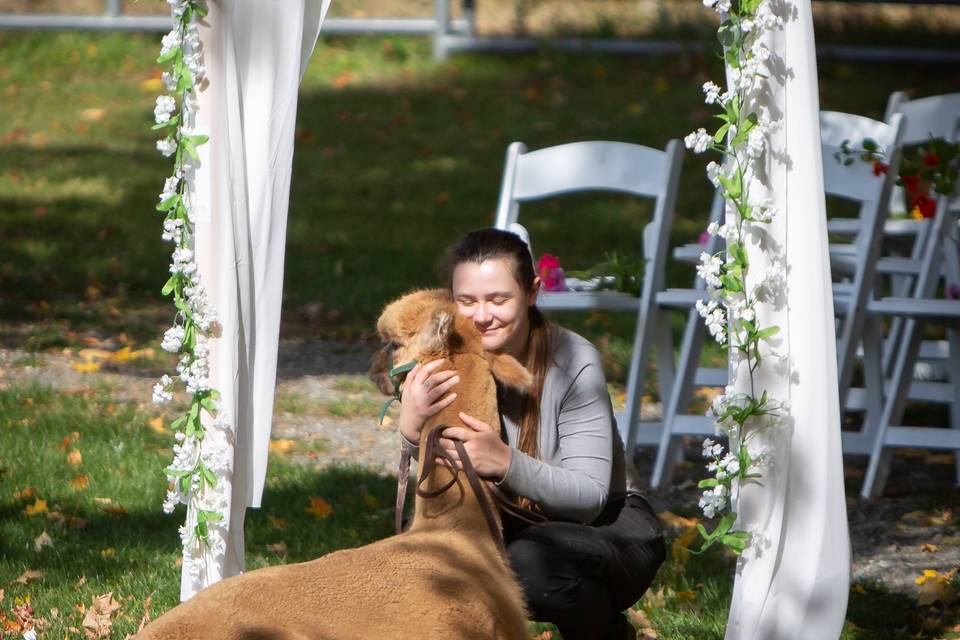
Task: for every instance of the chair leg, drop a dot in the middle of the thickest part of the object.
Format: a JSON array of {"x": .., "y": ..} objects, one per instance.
[
  {"x": 893, "y": 408},
  {"x": 953, "y": 337},
  {"x": 679, "y": 400}
]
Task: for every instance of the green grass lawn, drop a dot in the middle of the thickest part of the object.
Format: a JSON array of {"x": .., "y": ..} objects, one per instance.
[
  {"x": 86, "y": 469},
  {"x": 396, "y": 157}
]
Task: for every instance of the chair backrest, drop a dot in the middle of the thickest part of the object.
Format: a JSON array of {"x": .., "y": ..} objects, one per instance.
[
  {"x": 857, "y": 182},
  {"x": 597, "y": 166},
  {"x": 931, "y": 117}
]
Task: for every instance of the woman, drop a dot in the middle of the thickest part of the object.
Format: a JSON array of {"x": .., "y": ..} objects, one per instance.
[{"x": 562, "y": 455}]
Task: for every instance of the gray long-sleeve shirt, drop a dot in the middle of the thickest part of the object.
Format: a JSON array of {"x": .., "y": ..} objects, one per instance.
[{"x": 581, "y": 464}]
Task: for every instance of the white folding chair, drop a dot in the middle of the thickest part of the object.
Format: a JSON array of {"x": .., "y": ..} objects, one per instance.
[
  {"x": 884, "y": 427},
  {"x": 618, "y": 167},
  {"x": 854, "y": 183},
  {"x": 911, "y": 306}
]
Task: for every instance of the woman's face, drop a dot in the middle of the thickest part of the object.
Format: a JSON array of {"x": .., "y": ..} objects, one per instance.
[{"x": 488, "y": 294}]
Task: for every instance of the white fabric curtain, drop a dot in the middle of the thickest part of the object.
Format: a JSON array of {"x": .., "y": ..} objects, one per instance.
[
  {"x": 792, "y": 583},
  {"x": 255, "y": 53}
]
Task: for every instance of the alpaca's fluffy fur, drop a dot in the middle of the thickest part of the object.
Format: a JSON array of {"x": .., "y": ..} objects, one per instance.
[{"x": 443, "y": 578}]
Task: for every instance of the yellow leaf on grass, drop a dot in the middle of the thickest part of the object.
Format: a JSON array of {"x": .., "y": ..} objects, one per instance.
[
  {"x": 42, "y": 540},
  {"x": 319, "y": 507},
  {"x": 152, "y": 85},
  {"x": 279, "y": 523},
  {"x": 681, "y": 546},
  {"x": 68, "y": 440},
  {"x": 109, "y": 552},
  {"x": 97, "y": 618},
  {"x": 93, "y": 115},
  {"x": 24, "y": 494},
  {"x": 75, "y": 458},
  {"x": 39, "y": 506},
  {"x": 676, "y": 522},
  {"x": 80, "y": 482},
  {"x": 282, "y": 447},
  {"x": 686, "y": 596},
  {"x": 86, "y": 367},
  {"x": 157, "y": 424}
]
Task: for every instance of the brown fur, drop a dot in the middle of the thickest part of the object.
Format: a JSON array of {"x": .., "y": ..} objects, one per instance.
[{"x": 443, "y": 578}]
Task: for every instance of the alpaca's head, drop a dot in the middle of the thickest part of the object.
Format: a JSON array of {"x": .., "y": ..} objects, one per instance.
[
  {"x": 416, "y": 327},
  {"x": 425, "y": 325}
]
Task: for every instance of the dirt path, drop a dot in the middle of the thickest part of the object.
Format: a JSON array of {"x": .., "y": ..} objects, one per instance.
[{"x": 325, "y": 413}]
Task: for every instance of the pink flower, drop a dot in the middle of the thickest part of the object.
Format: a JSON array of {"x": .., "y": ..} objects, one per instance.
[
  {"x": 552, "y": 277},
  {"x": 704, "y": 238},
  {"x": 953, "y": 291}
]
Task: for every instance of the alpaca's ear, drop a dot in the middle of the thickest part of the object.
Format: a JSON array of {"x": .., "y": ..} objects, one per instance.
[
  {"x": 380, "y": 370},
  {"x": 439, "y": 330},
  {"x": 508, "y": 371}
]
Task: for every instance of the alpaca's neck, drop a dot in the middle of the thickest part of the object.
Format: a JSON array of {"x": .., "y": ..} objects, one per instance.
[{"x": 458, "y": 508}]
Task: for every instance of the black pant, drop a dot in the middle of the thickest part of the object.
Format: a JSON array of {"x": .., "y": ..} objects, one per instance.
[{"x": 581, "y": 577}]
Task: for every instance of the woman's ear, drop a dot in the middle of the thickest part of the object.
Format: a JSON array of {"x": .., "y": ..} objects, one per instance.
[{"x": 534, "y": 291}]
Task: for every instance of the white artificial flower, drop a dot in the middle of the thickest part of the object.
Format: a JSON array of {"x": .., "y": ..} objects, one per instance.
[
  {"x": 170, "y": 41},
  {"x": 183, "y": 261},
  {"x": 173, "y": 339},
  {"x": 177, "y": 7},
  {"x": 699, "y": 140},
  {"x": 169, "y": 81},
  {"x": 161, "y": 395},
  {"x": 167, "y": 146},
  {"x": 713, "y": 173},
  {"x": 173, "y": 230},
  {"x": 711, "y": 92},
  {"x": 711, "y": 449},
  {"x": 164, "y": 107},
  {"x": 709, "y": 269},
  {"x": 169, "y": 188},
  {"x": 746, "y": 25},
  {"x": 731, "y": 464},
  {"x": 713, "y": 500}
]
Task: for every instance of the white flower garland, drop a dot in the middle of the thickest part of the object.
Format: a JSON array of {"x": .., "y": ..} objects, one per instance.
[
  {"x": 730, "y": 314},
  {"x": 202, "y": 458}
]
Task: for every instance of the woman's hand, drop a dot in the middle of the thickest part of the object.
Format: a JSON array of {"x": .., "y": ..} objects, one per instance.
[
  {"x": 424, "y": 395},
  {"x": 489, "y": 454}
]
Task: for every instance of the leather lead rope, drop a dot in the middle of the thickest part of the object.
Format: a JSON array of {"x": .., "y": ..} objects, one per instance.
[{"x": 427, "y": 467}]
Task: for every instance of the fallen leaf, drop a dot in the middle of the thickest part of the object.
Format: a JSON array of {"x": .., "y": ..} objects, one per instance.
[
  {"x": 86, "y": 367},
  {"x": 282, "y": 447},
  {"x": 929, "y": 547},
  {"x": 109, "y": 552},
  {"x": 157, "y": 424},
  {"x": 68, "y": 440},
  {"x": 39, "y": 506},
  {"x": 29, "y": 576},
  {"x": 75, "y": 458},
  {"x": 370, "y": 500},
  {"x": 146, "y": 613},
  {"x": 279, "y": 548},
  {"x": 25, "y": 493},
  {"x": 677, "y": 522},
  {"x": 112, "y": 509},
  {"x": 640, "y": 621},
  {"x": 680, "y": 550},
  {"x": 97, "y": 619},
  {"x": 80, "y": 482},
  {"x": 279, "y": 523},
  {"x": 42, "y": 540},
  {"x": 152, "y": 85},
  {"x": 319, "y": 507}
]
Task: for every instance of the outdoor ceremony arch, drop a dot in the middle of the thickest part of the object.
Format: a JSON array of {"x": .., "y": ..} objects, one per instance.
[{"x": 236, "y": 67}]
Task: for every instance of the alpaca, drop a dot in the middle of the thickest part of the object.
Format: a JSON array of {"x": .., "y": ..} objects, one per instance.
[{"x": 445, "y": 577}]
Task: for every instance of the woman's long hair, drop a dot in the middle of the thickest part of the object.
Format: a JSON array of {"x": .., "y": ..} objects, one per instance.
[{"x": 488, "y": 244}]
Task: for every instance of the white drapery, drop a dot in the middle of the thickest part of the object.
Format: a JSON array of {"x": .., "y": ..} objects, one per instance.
[
  {"x": 255, "y": 52},
  {"x": 792, "y": 583}
]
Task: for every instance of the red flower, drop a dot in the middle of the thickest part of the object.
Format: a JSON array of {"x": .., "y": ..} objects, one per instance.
[
  {"x": 926, "y": 205},
  {"x": 552, "y": 277},
  {"x": 879, "y": 167},
  {"x": 910, "y": 183},
  {"x": 931, "y": 159}
]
